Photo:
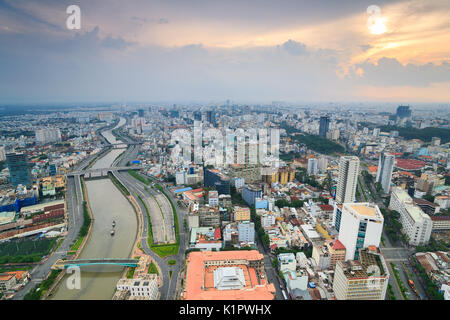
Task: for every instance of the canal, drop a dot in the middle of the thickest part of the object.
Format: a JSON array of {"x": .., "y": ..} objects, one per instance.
[{"x": 107, "y": 204}]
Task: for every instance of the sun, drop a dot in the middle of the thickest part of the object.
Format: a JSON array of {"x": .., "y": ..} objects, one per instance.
[{"x": 379, "y": 27}]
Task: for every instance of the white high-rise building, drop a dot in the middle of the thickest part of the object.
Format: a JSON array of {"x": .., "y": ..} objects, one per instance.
[
  {"x": 2, "y": 153},
  {"x": 364, "y": 279},
  {"x": 48, "y": 135},
  {"x": 323, "y": 164},
  {"x": 416, "y": 224},
  {"x": 246, "y": 231},
  {"x": 360, "y": 225},
  {"x": 312, "y": 166},
  {"x": 348, "y": 179},
  {"x": 385, "y": 168}
]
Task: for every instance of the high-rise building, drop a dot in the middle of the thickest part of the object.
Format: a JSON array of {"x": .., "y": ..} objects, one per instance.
[
  {"x": 416, "y": 224},
  {"x": 348, "y": 179},
  {"x": 2, "y": 153},
  {"x": 48, "y": 135},
  {"x": 385, "y": 168},
  {"x": 365, "y": 279},
  {"x": 403, "y": 112},
  {"x": 19, "y": 171},
  {"x": 324, "y": 125},
  {"x": 322, "y": 164},
  {"x": 361, "y": 225},
  {"x": 312, "y": 166},
  {"x": 246, "y": 231},
  {"x": 211, "y": 117},
  {"x": 213, "y": 178}
]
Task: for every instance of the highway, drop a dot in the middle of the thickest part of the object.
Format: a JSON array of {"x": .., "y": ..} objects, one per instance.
[
  {"x": 169, "y": 284},
  {"x": 393, "y": 254}
]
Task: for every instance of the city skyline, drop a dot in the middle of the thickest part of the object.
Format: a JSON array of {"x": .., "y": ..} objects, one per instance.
[{"x": 251, "y": 52}]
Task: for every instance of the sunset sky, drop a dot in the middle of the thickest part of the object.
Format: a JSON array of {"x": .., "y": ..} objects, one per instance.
[{"x": 248, "y": 51}]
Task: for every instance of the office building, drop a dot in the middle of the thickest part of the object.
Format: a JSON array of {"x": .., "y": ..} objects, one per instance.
[
  {"x": 364, "y": 279},
  {"x": 361, "y": 225},
  {"x": 322, "y": 164},
  {"x": 211, "y": 117},
  {"x": 246, "y": 231},
  {"x": 324, "y": 125},
  {"x": 347, "y": 179},
  {"x": 385, "y": 167},
  {"x": 250, "y": 193},
  {"x": 312, "y": 166},
  {"x": 416, "y": 224},
  {"x": 403, "y": 112},
  {"x": 213, "y": 198},
  {"x": 19, "y": 170},
  {"x": 209, "y": 217},
  {"x": 241, "y": 214},
  {"x": 213, "y": 178}
]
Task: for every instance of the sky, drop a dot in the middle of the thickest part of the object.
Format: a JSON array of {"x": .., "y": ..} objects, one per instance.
[{"x": 243, "y": 50}]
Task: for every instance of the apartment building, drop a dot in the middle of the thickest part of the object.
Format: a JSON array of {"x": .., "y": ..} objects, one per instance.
[{"x": 416, "y": 224}]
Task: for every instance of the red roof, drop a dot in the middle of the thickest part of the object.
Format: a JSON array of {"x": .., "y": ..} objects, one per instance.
[
  {"x": 337, "y": 245},
  {"x": 326, "y": 207},
  {"x": 409, "y": 164},
  {"x": 217, "y": 234}
]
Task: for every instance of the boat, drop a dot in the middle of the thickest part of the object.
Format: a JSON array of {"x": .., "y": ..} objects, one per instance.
[
  {"x": 113, "y": 223},
  {"x": 112, "y": 232}
]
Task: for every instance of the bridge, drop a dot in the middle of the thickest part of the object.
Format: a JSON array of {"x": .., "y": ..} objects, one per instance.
[
  {"x": 101, "y": 172},
  {"x": 64, "y": 264}
]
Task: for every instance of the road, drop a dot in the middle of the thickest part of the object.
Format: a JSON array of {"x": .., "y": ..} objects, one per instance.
[
  {"x": 393, "y": 254},
  {"x": 169, "y": 283},
  {"x": 75, "y": 216}
]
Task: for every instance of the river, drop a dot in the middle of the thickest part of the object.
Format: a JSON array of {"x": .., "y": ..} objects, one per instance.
[{"x": 107, "y": 204}]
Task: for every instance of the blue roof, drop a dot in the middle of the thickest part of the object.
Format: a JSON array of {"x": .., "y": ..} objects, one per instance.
[{"x": 182, "y": 190}]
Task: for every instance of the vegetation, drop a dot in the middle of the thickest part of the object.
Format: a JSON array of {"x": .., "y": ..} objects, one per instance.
[
  {"x": 431, "y": 288},
  {"x": 171, "y": 262},
  {"x": 313, "y": 142},
  {"x": 38, "y": 291},
  {"x": 118, "y": 184},
  {"x": 137, "y": 176},
  {"x": 259, "y": 229},
  {"x": 307, "y": 251},
  {"x": 86, "y": 221},
  {"x": 281, "y": 203},
  {"x": 423, "y": 134},
  {"x": 433, "y": 245},
  {"x": 302, "y": 176},
  {"x": 25, "y": 251},
  {"x": 400, "y": 283},
  {"x": 130, "y": 272},
  {"x": 393, "y": 226},
  {"x": 391, "y": 293},
  {"x": 152, "y": 268},
  {"x": 163, "y": 250}
]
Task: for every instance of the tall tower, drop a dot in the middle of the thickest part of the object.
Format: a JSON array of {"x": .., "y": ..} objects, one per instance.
[
  {"x": 19, "y": 171},
  {"x": 348, "y": 179},
  {"x": 323, "y": 128},
  {"x": 384, "y": 173}
]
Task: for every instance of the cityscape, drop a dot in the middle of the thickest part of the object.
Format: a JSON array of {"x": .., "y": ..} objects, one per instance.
[{"x": 254, "y": 191}]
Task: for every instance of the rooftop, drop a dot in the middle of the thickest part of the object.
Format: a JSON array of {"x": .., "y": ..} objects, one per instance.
[{"x": 200, "y": 277}]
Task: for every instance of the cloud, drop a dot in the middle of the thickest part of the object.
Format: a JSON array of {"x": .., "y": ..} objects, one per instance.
[
  {"x": 116, "y": 43},
  {"x": 389, "y": 72},
  {"x": 294, "y": 47}
]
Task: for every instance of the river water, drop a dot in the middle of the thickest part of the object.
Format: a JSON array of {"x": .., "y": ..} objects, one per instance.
[{"x": 107, "y": 204}]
